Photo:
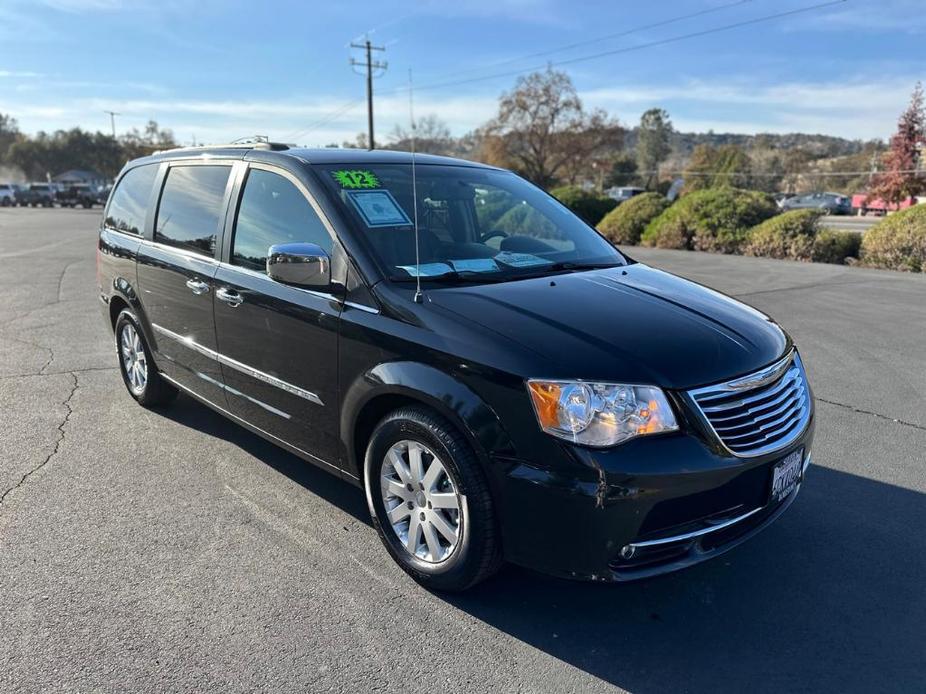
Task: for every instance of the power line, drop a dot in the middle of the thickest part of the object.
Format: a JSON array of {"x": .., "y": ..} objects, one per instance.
[
  {"x": 324, "y": 120},
  {"x": 370, "y": 65},
  {"x": 606, "y": 37},
  {"x": 594, "y": 56}
]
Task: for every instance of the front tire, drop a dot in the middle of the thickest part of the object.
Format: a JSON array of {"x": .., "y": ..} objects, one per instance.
[
  {"x": 430, "y": 501},
  {"x": 139, "y": 372}
]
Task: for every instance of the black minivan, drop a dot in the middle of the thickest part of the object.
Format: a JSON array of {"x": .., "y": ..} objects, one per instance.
[{"x": 500, "y": 380}]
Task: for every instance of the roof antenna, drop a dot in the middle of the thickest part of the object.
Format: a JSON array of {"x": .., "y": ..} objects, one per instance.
[{"x": 411, "y": 117}]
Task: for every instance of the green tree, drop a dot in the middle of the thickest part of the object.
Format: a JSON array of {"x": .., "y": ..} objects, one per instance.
[
  {"x": 9, "y": 134},
  {"x": 653, "y": 142},
  {"x": 715, "y": 167},
  {"x": 623, "y": 171}
]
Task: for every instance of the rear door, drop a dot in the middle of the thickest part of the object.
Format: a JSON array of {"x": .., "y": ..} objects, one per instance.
[
  {"x": 176, "y": 270},
  {"x": 279, "y": 343}
]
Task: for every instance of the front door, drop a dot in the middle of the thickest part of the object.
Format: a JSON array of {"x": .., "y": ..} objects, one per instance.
[
  {"x": 278, "y": 344},
  {"x": 175, "y": 276}
]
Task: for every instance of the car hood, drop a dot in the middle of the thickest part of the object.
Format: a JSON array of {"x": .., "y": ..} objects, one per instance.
[{"x": 632, "y": 324}]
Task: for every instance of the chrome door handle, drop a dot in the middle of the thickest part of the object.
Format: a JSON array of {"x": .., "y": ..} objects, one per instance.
[
  {"x": 197, "y": 286},
  {"x": 229, "y": 296}
]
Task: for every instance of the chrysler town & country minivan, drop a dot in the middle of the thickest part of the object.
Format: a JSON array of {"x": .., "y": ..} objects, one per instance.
[{"x": 499, "y": 380}]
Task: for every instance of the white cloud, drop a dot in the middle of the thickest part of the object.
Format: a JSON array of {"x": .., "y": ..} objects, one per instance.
[
  {"x": 83, "y": 5},
  {"x": 857, "y": 108},
  {"x": 19, "y": 73}
]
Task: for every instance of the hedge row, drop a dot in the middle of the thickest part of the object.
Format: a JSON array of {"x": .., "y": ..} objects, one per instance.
[
  {"x": 727, "y": 220},
  {"x": 716, "y": 220}
]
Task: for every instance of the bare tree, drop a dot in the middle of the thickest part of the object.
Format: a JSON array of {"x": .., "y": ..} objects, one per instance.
[
  {"x": 543, "y": 132},
  {"x": 431, "y": 136}
]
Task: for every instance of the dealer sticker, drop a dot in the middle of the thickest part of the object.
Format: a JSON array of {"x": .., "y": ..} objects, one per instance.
[
  {"x": 378, "y": 208},
  {"x": 356, "y": 178}
]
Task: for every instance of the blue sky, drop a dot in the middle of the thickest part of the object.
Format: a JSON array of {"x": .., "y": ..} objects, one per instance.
[{"x": 218, "y": 70}]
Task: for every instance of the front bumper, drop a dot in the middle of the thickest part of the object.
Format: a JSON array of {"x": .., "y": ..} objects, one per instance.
[{"x": 645, "y": 508}]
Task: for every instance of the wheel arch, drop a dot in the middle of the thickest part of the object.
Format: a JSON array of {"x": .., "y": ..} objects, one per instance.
[{"x": 390, "y": 386}]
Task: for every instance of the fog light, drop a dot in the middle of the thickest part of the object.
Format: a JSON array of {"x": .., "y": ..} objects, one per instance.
[{"x": 627, "y": 551}]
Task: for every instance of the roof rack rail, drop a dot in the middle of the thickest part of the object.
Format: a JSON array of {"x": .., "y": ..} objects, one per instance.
[{"x": 252, "y": 142}]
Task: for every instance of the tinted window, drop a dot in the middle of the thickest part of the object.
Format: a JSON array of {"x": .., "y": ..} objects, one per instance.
[
  {"x": 129, "y": 203},
  {"x": 191, "y": 206},
  {"x": 471, "y": 221},
  {"x": 273, "y": 211}
]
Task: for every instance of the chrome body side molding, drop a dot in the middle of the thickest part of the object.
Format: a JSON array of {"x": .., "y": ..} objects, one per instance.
[{"x": 238, "y": 366}]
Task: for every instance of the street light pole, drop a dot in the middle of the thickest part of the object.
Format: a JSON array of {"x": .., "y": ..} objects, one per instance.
[{"x": 112, "y": 120}]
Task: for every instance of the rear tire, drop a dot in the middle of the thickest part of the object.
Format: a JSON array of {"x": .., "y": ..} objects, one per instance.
[
  {"x": 445, "y": 512},
  {"x": 139, "y": 372}
]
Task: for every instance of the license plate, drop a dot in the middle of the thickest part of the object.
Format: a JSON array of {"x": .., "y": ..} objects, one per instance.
[{"x": 786, "y": 475}]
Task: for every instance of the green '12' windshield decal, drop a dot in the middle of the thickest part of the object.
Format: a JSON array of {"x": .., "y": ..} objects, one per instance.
[{"x": 355, "y": 178}]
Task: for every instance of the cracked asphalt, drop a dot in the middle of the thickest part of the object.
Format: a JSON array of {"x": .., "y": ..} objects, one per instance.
[{"x": 172, "y": 551}]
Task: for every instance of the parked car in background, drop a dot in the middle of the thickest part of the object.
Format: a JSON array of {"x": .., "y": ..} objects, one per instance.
[
  {"x": 864, "y": 204},
  {"x": 102, "y": 195},
  {"x": 7, "y": 195},
  {"x": 832, "y": 203},
  {"x": 78, "y": 194},
  {"x": 622, "y": 193},
  {"x": 36, "y": 194}
]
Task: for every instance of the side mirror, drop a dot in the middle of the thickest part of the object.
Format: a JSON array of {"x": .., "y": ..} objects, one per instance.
[{"x": 299, "y": 264}]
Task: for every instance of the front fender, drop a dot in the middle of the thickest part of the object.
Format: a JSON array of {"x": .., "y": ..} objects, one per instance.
[{"x": 432, "y": 387}]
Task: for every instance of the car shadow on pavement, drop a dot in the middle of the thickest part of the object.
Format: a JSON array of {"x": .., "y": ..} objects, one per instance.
[
  {"x": 830, "y": 598},
  {"x": 329, "y": 487}
]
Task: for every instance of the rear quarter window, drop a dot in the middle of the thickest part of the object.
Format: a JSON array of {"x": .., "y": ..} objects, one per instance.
[
  {"x": 191, "y": 207},
  {"x": 129, "y": 202}
]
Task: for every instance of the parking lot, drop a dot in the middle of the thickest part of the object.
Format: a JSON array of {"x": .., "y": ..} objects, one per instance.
[{"x": 173, "y": 551}]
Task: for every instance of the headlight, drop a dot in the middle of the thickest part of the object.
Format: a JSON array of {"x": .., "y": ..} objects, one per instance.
[{"x": 600, "y": 414}]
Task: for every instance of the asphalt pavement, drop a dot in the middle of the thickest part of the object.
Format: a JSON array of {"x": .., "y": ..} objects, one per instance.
[{"x": 170, "y": 550}]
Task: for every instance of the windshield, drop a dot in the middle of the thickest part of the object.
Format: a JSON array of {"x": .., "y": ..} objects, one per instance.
[{"x": 473, "y": 224}]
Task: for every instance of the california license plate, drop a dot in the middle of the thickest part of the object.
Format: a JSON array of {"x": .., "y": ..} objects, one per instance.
[{"x": 786, "y": 475}]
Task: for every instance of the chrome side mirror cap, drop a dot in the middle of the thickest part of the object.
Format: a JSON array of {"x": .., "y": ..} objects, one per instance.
[{"x": 299, "y": 264}]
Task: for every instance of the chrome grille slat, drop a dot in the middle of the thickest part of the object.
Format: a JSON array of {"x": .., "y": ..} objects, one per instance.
[
  {"x": 786, "y": 394},
  {"x": 758, "y": 419},
  {"x": 760, "y": 428},
  {"x": 758, "y": 416},
  {"x": 788, "y": 378}
]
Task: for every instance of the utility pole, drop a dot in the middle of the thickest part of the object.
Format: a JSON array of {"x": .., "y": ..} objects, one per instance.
[
  {"x": 370, "y": 65},
  {"x": 112, "y": 120}
]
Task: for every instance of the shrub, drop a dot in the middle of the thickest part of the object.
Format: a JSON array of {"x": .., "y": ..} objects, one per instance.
[
  {"x": 589, "y": 206},
  {"x": 716, "y": 220},
  {"x": 626, "y": 222},
  {"x": 797, "y": 235},
  {"x": 898, "y": 242},
  {"x": 789, "y": 236},
  {"x": 831, "y": 246}
]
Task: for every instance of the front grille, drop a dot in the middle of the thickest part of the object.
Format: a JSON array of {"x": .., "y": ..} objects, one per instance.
[{"x": 759, "y": 413}]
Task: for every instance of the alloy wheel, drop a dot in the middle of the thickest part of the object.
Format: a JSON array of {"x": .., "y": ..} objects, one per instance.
[
  {"x": 133, "y": 358},
  {"x": 421, "y": 501}
]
